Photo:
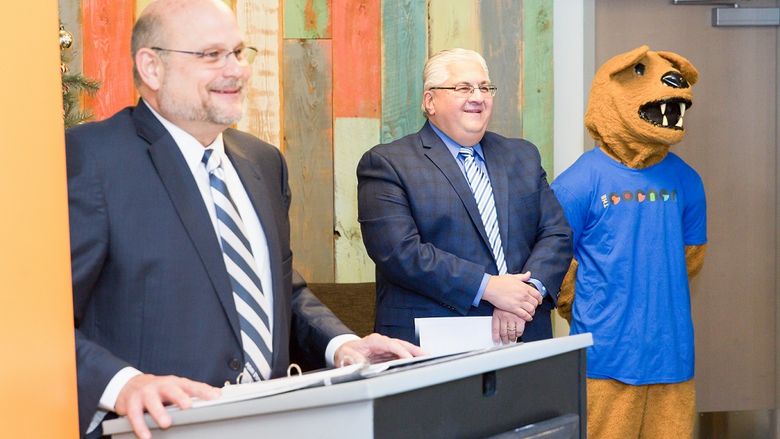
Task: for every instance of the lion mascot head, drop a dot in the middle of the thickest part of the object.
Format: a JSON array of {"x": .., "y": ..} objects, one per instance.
[{"x": 637, "y": 105}]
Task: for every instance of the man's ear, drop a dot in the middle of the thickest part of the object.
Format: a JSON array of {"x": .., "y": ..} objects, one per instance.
[
  {"x": 430, "y": 108},
  {"x": 150, "y": 68}
]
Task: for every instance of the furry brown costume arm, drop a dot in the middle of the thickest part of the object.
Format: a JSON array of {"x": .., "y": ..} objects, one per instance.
[
  {"x": 566, "y": 297},
  {"x": 694, "y": 260}
]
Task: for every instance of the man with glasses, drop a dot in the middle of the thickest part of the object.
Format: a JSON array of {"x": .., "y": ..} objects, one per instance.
[
  {"x": 460, "y": 221},
  {"x": 182, "y": 269}
]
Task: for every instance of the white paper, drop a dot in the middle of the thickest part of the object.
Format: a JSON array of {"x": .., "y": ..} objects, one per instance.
[
  {"x": 260, "y": 389},
  {"x": 452, "y": 335}
]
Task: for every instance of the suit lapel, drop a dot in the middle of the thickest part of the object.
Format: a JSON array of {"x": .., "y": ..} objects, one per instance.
[
  {"x": 257, "y": 189},
  {"x": 437, "y": 152},
  {"x": 186, "y": 199},
  {"x": 499, "y": 181}
]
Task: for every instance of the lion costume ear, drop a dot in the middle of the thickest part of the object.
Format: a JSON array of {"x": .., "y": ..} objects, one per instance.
[
  {"x": 624, "y": 60},
  {"x": 685, "y": 67}
]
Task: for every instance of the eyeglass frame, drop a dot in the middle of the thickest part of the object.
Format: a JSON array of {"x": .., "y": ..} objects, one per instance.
[
  {"x": 219, "y": 62},
  {"x": 490, "y": 89}
]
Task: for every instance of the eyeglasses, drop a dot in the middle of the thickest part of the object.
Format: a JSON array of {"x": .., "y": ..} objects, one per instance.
[
  {"x": 466, "y": 90},
  {"x": 218, "y": 58}
]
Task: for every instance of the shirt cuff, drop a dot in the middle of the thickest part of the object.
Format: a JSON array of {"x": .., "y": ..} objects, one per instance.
[
  {"x": 481, "y": 291},
  {"x": 334, "y": 345},
  {"x": 539, "y": 286},
  {"x": 108, "y": 399},
  {"x": 110, "y": 394}
]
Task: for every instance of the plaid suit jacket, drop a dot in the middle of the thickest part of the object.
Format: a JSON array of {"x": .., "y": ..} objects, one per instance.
[{"x": 422, "y": 228}]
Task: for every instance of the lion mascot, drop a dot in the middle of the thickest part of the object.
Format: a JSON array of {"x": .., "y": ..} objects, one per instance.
[{"x": 638, "y": 216}]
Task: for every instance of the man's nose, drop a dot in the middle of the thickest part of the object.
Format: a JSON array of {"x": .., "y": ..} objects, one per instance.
[
  {"x": 476, "y": 95},
  {"x": 674, "y": 79},
  {"x": 234, "y": 67}
]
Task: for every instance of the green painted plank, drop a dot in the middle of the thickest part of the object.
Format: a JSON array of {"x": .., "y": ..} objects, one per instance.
[
  {"x": 537, "y": 102},
  {"x": 308, "y": 143},
  {"x": 307, "y": 19},
  {"x": 502, "y": 34},
  {"x": 352, "y": 137},
  {"x": 404, "y": 51},
  {"x": 453, "y": 23}
]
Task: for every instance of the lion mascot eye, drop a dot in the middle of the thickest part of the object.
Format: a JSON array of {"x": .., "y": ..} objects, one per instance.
[{"x": 639, "y": 69}]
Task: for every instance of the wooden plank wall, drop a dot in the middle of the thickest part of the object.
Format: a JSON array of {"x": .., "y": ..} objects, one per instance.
[
  {"x": 404, "y": 51},
  {"x": 502, "y": 22},
  {"x": 537, "y": 79},
  {"x": 106, "y": 27},
  {"x": 357, "y": 59},
  {"x": 335, "y": 77},
  {"x": 308, "y": 146},
  {"x": 260, "y": 20}
]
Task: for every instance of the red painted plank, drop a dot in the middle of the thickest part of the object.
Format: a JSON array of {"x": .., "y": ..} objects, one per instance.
[
  {"x": 107, "y": 25},
  {"x": 357, "y": 58}
]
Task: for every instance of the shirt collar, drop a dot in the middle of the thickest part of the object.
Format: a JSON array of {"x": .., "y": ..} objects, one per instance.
[
  {"x": 453, "y": 146},
  {"x": 190, "y": 147}
]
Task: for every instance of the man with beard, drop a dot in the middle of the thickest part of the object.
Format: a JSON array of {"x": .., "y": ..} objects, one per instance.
[{"x": 182, "y": 269}]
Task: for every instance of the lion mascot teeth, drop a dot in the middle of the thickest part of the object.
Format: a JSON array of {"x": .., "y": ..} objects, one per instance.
[{"x": 638, "y": 216}]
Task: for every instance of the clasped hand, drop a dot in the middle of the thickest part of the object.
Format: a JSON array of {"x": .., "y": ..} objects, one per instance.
[{"x": 515, "y": 304}]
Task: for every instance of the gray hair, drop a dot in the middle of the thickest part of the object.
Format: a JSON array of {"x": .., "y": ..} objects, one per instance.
[
  {"x": 147, "y": 32},
  {"x": 436, "y": 70}
]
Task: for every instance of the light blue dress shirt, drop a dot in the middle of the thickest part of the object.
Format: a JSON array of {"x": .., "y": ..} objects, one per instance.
[{"x": 454, "y": 149}]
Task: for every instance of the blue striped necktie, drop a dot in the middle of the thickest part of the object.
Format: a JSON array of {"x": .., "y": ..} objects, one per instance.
[
  {"x": 252, "y": 305},
  {"x": 483, "y": 194}
]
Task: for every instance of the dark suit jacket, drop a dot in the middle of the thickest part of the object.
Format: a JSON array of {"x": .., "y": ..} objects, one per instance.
[
  {"x": 150, "y": 288},
  {"x": 422, "y": 228}
]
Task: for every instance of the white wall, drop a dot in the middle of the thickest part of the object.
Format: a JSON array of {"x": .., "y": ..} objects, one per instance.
[{"x": 573, "y": 64}]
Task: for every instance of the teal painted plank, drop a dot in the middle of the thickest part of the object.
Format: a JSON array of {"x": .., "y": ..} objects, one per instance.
[
  {"x": 308, "y": 146},
  {"x": 502, "y": 34},
  {"x": 537, "y": 100},
  {"x": 404, "y": 51}
]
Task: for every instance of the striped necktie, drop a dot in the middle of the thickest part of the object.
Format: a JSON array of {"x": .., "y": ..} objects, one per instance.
[
  {"x": 483, "y": 194},
  {"x": 252, "y": 305}
]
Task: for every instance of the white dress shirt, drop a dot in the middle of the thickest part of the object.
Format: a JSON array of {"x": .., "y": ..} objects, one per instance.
[{"x": 193, "y": 150}]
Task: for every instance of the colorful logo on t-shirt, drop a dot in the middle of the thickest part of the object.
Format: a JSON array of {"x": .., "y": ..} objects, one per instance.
[{"x": 638, "y": 196}]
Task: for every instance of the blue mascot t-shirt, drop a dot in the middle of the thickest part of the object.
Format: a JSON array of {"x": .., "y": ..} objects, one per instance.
[{"x": 630, "y": 230}]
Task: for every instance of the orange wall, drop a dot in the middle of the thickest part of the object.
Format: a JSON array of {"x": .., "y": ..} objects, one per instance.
[{"x": 37, "y": 355}]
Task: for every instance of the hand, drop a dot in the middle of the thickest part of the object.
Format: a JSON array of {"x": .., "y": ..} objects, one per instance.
[
  {"x": 507, "y": 327},
  {"x": 374, "y": 348},
  {"x": 510, "y": 293},
  {"x": 149, "y": 393}
]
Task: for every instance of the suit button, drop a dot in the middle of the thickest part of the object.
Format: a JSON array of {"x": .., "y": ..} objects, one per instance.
[{"x": 234, "y": 364}]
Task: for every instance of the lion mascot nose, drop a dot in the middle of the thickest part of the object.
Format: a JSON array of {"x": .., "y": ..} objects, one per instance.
[{"x": 674, "y": 79}]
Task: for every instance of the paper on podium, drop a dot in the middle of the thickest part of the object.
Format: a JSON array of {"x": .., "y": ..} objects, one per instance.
[
  {"x": 260, "y": 389},
  {"x": 326, "y": 377},
  {"x": 452, "y": 335}
]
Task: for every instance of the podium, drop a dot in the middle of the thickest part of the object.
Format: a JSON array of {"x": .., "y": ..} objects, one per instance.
[{"x": 471, "y": 395}]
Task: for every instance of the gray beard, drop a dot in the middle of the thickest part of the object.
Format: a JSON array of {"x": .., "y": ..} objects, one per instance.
[{"x": 207, "y": 114}]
